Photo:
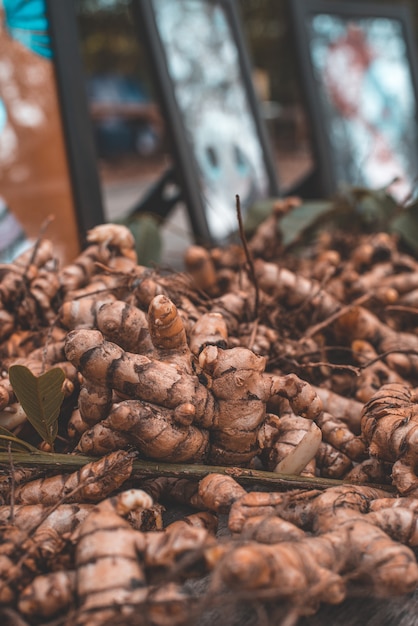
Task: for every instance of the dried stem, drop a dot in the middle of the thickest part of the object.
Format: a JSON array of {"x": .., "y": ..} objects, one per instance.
[
  {"x": 248, "y": 257},
  {"x": 149, "y": 469}
]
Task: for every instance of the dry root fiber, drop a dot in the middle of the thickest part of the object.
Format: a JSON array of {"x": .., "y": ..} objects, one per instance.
[{"x": 303, "y": 366}]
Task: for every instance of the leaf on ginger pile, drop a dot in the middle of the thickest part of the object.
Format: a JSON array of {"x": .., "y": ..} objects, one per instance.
[
  {"x": 148, "y": 241},
  {"x": 376, "y": 207},
  {"x": 258, "y": 212},
  {"x": 41, "y": 398},
  {"x": 295, "y": 223},
  {"x": 406, "y": 225},
  {"x": 9, "y": 440},
  {"x": 308, "y": 215}
]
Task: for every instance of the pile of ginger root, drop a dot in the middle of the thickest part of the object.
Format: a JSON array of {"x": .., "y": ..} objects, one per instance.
[{"x": 292, "y": 378}]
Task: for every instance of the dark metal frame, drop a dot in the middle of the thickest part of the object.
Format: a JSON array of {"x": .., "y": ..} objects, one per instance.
[
  {"x": 185, "y": 166},
  {"x": 300, "y": 10},
  {"x": 76, "y": 120}
]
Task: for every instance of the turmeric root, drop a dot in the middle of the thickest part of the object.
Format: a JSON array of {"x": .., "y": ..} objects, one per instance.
[
  {"x": 359, "y": 323},
  {"x": 63, "y": 518},
  {"x": 200, "y": 267},
  {"x": 297, "y": 571},
  {"x": 89, "y": 484},
  {"x": 375, "y": 374},
  {"x": 116, "y": 237},
  {"x": 33, "y": 540},
  {"x": 48, "y": 594},
  {"x": 290, "y": 431},
  {"x": 134, "y": 375},
  {"x": 119, "y": 321},
  {"x": 78, "y": 273},
  {"x": 110, "y": 577},
  {"x": 356, "y": 544},
  {"x": 229, "y": 383},
  {"x": 389, "y": 425},
  {"x": 151, "y": 429}
]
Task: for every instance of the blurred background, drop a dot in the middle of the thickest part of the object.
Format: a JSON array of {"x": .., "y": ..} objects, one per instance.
[
  {"x": 129, "y": 130},
  {"x": 131, "y": 143}
]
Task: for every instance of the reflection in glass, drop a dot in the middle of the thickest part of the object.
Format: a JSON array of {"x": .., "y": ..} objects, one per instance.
[
  {"x": 367, "y": 93},
  {"x": 205, "y": 69},
  {"x": 127, "y": 125}
]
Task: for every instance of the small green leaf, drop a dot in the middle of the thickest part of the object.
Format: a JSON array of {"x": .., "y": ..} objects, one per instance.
[
  {"x": 295, "y": 223},
  {"x": 258, "y": 212},
  {"x": 145, "y": 228},
  {"x": 374, "y": 206},
  {"x": 406, "y": 225},
  {"x": 41, "y": 398}
]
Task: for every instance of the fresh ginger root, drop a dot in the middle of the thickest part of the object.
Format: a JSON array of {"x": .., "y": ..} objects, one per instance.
[
  {"x": 152, "y": 429},
  {"x": 89, "y": 484},
  {"x": 223, "y": 391},
  {"x": 109, "y": 574},
  {"x": 116, "y": 567},
  {"x": 215, "y": 367},
  {"x": 390, "y": 427},
  {"x": 348, "y": 539}
]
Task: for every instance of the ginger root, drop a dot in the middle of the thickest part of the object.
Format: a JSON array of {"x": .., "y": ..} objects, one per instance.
[
  {"x": 179, "y": 397},
  {"x": 390, "y": 427}
]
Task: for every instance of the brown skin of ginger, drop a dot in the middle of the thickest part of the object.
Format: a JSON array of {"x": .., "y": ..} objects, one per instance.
[
  {"x": 109, "y": 573},
  {"x": 89, "y": 484},
  {"x": 48, "y": 594},
  {"x": 347, "y": 538},
  {"x": 390, "y": 427},
  {"x": 229, "y": 392},
  {"x": 151, "y": 429},
  {"x": 115, "y": 564}
]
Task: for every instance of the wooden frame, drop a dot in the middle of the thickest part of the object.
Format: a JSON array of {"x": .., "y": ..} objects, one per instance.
[
  {"x": 76, "y": 118},
  {"x": 219, "y": 141},
  {"x": 359, "y": 73}
]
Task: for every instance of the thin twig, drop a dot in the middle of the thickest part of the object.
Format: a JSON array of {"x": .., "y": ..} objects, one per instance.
[
  {"x": 314, "y": 329},
  {"x": 12, "y": 482},
  {"x": 248, "y": 257},
  {"x": 398, "y": 308},
  {"x": 335, "y": 366},
  {"x": 42, "y": 231},
  {"x": 382, "y": 355}
]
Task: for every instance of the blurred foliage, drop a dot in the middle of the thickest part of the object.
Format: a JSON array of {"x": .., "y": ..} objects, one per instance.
[
  {"x": 354, "y": 209},
  {"x": 145, "y": 228}
]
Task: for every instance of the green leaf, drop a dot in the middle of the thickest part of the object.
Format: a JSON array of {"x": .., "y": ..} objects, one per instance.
[
  {"x": 17, "y": 445},
  {"x": 148, "y": 242},
  {"x": 41, "y": 398},
  {"x": 294, "y": 224},
  {"x": 375, "y": 206},
  {"x": 406, "y": 225},
  {"x": 258, "y": 212}
]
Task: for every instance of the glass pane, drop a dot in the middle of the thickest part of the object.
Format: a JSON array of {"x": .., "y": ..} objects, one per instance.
[
  {"x": 366, "y": 88},
  {"x": 127, "y": 124},
  {"x": 213, "y": 102}
]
